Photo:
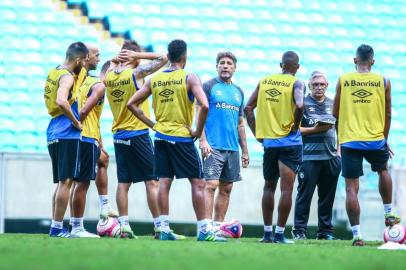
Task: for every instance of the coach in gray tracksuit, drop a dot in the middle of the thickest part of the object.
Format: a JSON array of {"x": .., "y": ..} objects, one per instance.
[{"x": 321, "y": 164}]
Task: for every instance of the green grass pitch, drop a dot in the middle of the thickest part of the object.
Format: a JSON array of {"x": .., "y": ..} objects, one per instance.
[{"x": 28, "y": 251}]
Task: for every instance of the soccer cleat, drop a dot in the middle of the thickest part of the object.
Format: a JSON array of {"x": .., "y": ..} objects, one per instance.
[
  {"x": 358, "y": 242},
  {"x": 126, "y": 232},
  {"x": 325, "y": 236},
  {"x": 279, "y": 238},
  {"x": 210, "y": 236},
  {"x": 107, "y": 211},
  {"x": 82, "y": 233},
  {"x": 267, "y": 238},
  {"x": 391, "y": 219},
  {"x": 157, "y": 232},
  {"x": 299, "y": 235},
  {"x": 167, "y": 236},
  {"x": 63, "y": 233}
]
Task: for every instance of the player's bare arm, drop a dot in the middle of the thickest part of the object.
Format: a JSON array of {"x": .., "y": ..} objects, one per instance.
[
  {"x": 388, "y": 113},
  {"x": 157, "y": 61},
  {"x": 203, "y": 144},
  {"x": 249, "y": 109},
  {"x": 298, "y": 95},
  {"x": 97, "y": 93},
  {"x": 195, "y": 86},
  {"x": 336, "y": 105},
  {"x": 242, "y": 140},
  {"x": 135, "y": 101},
  {"x": 65, "y": 85}
]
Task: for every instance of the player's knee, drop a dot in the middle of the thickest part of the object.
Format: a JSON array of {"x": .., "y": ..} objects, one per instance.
[
  {"x": 226, "y": 188},
  {"x": 199, "y": 185},
  {"x": 152, "y": 185},
  {"x": 211, "y": 185}
]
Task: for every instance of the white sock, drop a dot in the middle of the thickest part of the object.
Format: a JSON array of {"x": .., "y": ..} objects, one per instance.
[
  {"x": 157, "y": 222},
  {"x": 57, "y": 224},
  {"x": 77, "y": 223},
  {"x": 164, "y": 220},
  {"x": 103, "y": 200},
  {"x": 387, "y": 208},
  {"x": 123, "y": 221},
  {"x": 203, "y": 225},
  {"x": 356, "y": 231},
  {"x": 217, "y": 223},
  {"x": 267, "y": 228},
  {"x": 279, "y": 229}
]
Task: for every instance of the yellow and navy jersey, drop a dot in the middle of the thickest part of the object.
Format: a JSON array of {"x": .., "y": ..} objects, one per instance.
[
  {"x": 51, "y": 91},
  {"x": 120, "y": 86},
  {"x": 362, "y": 107},
  {"x": 172, "y": 104},
  {"x": 275, "y": 106},
  {"x": 91, "y": 124}
]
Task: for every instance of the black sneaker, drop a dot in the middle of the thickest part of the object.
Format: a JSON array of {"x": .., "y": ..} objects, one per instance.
[
  {"x": 299, "y": 235},
  {"x": 326, "y": 236},
  {"x": 267, "y": 238},
  {"x": 279, "y": 238}
]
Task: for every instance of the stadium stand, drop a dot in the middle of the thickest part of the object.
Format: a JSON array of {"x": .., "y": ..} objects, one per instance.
[{"x": 324, "y": 33}]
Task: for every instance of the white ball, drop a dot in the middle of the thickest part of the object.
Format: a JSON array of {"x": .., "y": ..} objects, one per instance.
[
  {"x": 109, "y": 227},
  {"x": 395, "y": 233}
]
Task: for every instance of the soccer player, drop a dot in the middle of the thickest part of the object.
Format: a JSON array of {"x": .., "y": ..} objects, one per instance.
[
  {"x": 321, "y": 164},
  {"x": 363, "y": 108},
  {"x": 173, "y": 92},
  {"x": 224, "y": 130},
  {"x": 63, "y": 133},
  {"x": 132, "y": 144},
  {"x": 279, "y": 98}
]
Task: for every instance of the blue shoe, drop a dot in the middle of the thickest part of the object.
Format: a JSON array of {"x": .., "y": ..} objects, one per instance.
[
  {"x": 280, "y": 239},
  {"x": 267, "y": 238},
  {"x": 63, "y": 233},
  {"x": 169, "y": 236},
  {"x": 210, "y": 237}
]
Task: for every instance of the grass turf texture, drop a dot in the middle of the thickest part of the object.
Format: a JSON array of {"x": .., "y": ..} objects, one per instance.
[{"x": 29, "y": 251}]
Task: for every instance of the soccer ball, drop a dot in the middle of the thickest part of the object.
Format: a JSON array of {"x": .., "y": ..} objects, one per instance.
[
  {"x": 395, "y": 233},
  {"x": 109, "y": 227},
  {"x": 231, "y": 229}
]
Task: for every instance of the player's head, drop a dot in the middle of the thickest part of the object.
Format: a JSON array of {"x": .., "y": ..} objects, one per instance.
[
  {"x": 94, "y": 56},
  {"x": 132, "y": 45},
  {"x": 318, "y": 84},
  {"x": 77, "y": 54},
  {"x": 226, "y": 63},
  {"x": 290, "y": 62},
  {"x": 177, "y": 52},
  {"x": 104, "y": 69},
  {"x": 364, "y": 56}
]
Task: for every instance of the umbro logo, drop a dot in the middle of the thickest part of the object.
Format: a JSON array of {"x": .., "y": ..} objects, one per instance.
[
  {"x": 361, "y": 93},
  {"x": 166, "y": 93},
  {"x": 117, "y": 93},
  {"x": 273, "y": 92}
]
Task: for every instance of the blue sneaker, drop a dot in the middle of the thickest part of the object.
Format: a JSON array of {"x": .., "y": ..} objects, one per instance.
[
  {"x": 267, "y": 238},
  {"x": 169, "y": 236},
  {"x": 210, "y": 237},
  {"x": 280, "y": 239},
  {"x": 63, "y": 233}
]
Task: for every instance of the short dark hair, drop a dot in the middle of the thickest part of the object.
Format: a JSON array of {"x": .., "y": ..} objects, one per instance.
[
  {"x": 105, "y": 67},
  {"x": 176, "y": 49},
  {"x": 290, "y": 58},
  {"x": 365, "y": 52},
  {"x": 75, "y": 50},
  {"x": 227, "y": 54},
  {"x": 131, "y": 45}
]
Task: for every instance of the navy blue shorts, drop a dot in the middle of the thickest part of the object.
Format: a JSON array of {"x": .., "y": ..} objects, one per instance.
[
  {"x": 351, "y": 160},
  {"x": 135, "y": 159},
  {"x": 179, "y": 159},
  {"x": 89, "y": 154},
  {"x": 291, "y": 156},
  {"x": 65, "y": 159}
]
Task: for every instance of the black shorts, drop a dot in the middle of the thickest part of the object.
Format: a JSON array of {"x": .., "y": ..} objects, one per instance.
[
  {"x": 89, "y": 154},
  {"x": 135, "y": 159},
  {"x": 179, "y": 159},
  {"x": 65, "y": 159},
  {"x": 291, "y": 156},
  {"x": 352, "y": 160}
]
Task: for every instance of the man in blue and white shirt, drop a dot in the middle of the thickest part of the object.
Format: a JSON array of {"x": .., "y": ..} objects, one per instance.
[{"x": 223, "y": 133}]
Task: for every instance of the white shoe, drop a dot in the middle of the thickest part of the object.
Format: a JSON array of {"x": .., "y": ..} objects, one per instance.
[
  {"x": 82, "y": 233},
  {"x": 107, "y": 211}
]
